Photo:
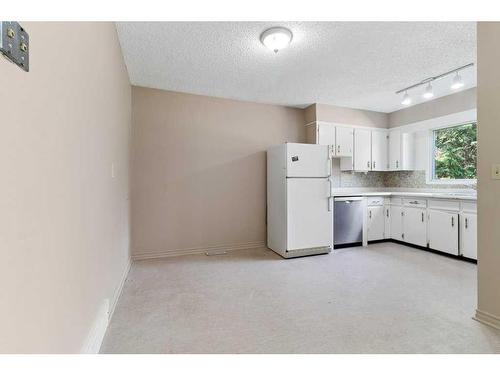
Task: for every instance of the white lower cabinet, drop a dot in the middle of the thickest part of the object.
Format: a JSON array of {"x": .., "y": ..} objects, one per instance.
[
  {"x": 387, "y": 222},
  {"x": 376, "y": 223},
  {"x": 445, "y": 225},
  {"x": 443, "y": 231},
  {"x": 468, "y": 235},
  {"x": 396, "y": 223},
  {"x": 415, "y": 226}
]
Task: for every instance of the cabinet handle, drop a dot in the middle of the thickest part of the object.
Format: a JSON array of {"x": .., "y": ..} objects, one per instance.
[
  {"x": 422, "y": 217},
  {"x": 368, "y": 164},
  {"x": 397, "y": 164},
  {"x": 402, "y": 213},
  {"x": 374, "y": 165},
  {"x": 452, "y": 221},
  {"x": 466, "y": 223},
  {"x": 387, "y": 211},
  {"x": 338, "y": 149},
  {"x": 413, "y": 202},
  {"x": 370, "y": 214}
]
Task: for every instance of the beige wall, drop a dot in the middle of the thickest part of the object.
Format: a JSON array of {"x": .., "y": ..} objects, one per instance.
[
  {"x": 63, "y": 219},
  {"x": 310, "y": 113},
  {"x": 459, "y": 102},
  {"x": 489, "y": 153},
  {"x": 199, "y": 170},
  {"x": 332, "y": 113}
]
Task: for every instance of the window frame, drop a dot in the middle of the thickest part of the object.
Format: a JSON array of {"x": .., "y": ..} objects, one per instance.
[{"x": 430, "y": 173}]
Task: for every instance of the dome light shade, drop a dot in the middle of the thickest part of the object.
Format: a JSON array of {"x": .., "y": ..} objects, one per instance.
[
  {"x": 276, "y": 38},
  {"x": 406, "y": 99},
  {"x": 428, "y": 94},
  {"x": 457, "y": 82}
]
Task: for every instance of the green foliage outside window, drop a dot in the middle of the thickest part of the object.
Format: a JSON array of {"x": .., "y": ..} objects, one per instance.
[{"x": 455, "y": 152}]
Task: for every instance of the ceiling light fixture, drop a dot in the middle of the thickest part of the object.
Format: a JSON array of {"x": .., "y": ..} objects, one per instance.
[
  {"x": 276, "y": 38},
  {"x": 428, "y": 94},
  {"x": 406, "y": 99},
  {"x": 457, "y": 82}
]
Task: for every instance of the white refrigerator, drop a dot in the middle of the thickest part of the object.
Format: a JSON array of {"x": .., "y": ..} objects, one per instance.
[{"x": 299, "y": 202}]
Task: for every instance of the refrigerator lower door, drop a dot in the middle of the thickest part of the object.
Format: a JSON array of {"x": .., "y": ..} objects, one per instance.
[
  {"x": 309, "y": 214},
  {"x": 307, "y": 160}
]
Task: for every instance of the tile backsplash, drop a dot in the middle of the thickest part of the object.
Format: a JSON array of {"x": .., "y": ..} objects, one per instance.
[{"x": 395, "y": 179}]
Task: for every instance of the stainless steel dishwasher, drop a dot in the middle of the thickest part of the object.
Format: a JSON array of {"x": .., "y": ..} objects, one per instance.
[{"x": 348, "y": 221}]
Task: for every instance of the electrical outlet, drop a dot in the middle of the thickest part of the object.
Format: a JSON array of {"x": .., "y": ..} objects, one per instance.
[
  {"x": 14, "y": 44},
  {"x": 495, "y": 171}
]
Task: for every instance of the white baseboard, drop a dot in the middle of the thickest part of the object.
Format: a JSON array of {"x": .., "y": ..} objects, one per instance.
[
  {"x": 487, "y": 318},
  {"x": 118, "y": 291},
  {"x": 95, "y": 337},
  {"x": 141, "y": 255},
  {"x": 97, "y": 330}
]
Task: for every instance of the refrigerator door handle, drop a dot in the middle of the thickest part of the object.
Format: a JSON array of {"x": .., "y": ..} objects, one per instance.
[{"x": 330, "y": 198}]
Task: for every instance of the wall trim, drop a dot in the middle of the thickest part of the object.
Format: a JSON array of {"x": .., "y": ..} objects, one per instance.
[
  {"x": 153, "y": 254},
  {"x": 93, "y": 343},
  {"x": 487, "y": 318},
  {"x": 118, "y": 291}
]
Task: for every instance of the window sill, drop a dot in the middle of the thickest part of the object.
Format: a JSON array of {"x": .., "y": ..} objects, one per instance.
[{"x": 452, "y": 182}]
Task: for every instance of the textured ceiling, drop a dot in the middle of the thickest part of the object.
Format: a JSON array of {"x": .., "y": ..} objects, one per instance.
[{"x": 351, "y": 64}]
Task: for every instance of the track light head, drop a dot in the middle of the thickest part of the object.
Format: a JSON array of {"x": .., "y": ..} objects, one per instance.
[
  {"x": 406, "y": 99},
  {"x": 457, "y": 82},
  {"x": 428, "y": 93}
]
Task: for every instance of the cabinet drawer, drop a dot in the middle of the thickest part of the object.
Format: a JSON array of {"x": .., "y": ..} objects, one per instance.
[
  {"x": 396, "y": 201},
  {"x": 443, "y": 204},
  {"x": 415, "y": 202},
  {"x": 469, "y": 207},
  {"x": 375, "y": 201}
]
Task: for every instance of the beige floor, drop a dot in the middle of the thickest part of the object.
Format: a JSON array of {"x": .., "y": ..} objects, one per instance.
[{"x": 386, "y": 298}]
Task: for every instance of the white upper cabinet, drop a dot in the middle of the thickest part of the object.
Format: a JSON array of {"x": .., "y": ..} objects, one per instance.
[
  {"x": 325, "y": 134},
  {"x": 408, "y": 151},
  {"x": 380, "y": 146},
  {"x": 401, "y": 150},
  {"x": 395, "y": 150},
  {"x": 344, "y": 141},
  {"x": 362, "y": 150}
]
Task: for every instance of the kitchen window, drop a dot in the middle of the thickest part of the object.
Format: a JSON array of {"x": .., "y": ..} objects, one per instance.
[{"x": 454, "y": 154}]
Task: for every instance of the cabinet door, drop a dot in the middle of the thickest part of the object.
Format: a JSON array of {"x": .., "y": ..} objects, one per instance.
[
  {"x": 379, "y": 150},
  {"x": 326, "y": 134},
  {"x": 468, "y": 234},
  {"x": 443, "y": 231},
  {"x": 408, "y": 151},
  {"x": 345, "y": 141},
  {"x": 415, "y": 226},
  {"x": 395, "y": 150},
  {"x": 362, "y": 150},
  {"x": 396, "y": 223},
  {"x": 375, "y": 223},
  {"x": 387, "y": 222}
]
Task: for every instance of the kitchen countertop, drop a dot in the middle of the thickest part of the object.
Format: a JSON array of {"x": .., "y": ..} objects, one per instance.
[{"x": 423, "y": 194}]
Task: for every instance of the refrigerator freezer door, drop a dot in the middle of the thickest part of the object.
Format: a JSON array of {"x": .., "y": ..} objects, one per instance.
[
  {"x": 309, "y": 215},
  {"x": 308, "y": 160}
]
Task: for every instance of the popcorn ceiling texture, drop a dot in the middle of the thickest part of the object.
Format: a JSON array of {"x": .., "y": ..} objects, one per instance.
[{"x": 227, "y": 59}]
